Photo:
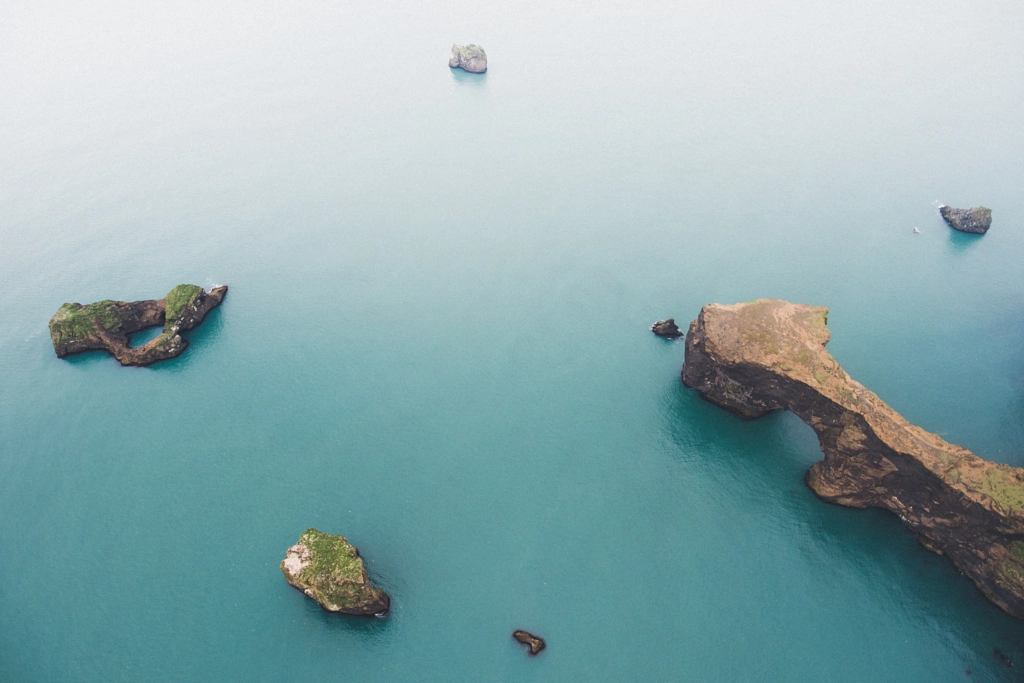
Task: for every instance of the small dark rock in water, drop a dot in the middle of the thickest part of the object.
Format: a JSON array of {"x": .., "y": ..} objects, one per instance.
[
  {"x": 976, "y": 220},
  {"x": 666, "y": 328},
  {"x": 1001, "y": 656},
  {"x": 536, "y": 643},
  {"x": 471, "y": 58}
]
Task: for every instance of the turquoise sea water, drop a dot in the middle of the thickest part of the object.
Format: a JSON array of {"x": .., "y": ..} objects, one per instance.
[{"x": 436, "y": 340}]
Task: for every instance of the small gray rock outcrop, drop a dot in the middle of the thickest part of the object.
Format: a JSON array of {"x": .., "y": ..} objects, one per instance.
[
  {"x": 975, "y": 220},
  {"x": 667, "y": 329},
  {"x": 471, "y": 58}
]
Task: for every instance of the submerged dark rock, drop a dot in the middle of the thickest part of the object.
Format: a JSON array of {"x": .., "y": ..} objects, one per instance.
[
  {"x": 471, "y": 58},
  {"x": 666, "y": 328},
  {"x": 535, "y": 643},
  {"x": 768, "y": 355},
  {"x": 976, "y": 220},
  {"x": 1001, "y": 656},
  {"x": 105, "y": 325}
]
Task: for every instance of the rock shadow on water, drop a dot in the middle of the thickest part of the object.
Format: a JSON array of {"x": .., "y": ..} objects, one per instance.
[
  {"x": 358, "y": 629},
  {"x": 470, "y": 80},
  {"x": 89, "y": 358},
  {"x": 963, "y": 242},
  {"x": 696, "y": 425}
]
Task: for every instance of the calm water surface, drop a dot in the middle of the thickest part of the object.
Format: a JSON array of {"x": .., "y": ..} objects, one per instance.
[{"x": 436, "y": 337}]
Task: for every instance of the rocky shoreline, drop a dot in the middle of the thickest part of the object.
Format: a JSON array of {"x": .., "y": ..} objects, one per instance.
[
  {"x": 105, "y": 325},
  {"x": 768, "y": 354}
]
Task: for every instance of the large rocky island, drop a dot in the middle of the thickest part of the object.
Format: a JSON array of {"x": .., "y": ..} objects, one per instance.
[
  {"x": 105, "y": 325},
  {"x": 767, "y": 355},
  {"x": 328, "y": 569}
]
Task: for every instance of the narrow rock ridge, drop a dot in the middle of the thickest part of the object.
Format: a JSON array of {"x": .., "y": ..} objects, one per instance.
[
  {"x": 768, "y": 354},
  {"x": 105, "y": 325}
]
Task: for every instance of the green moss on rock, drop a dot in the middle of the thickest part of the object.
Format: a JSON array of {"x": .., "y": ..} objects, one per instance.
[
  {"x": 328, "y": 569},
  {"x": 177, "y": 300},
  {"x": 75, "y": 321},
  {"x": 1011, "y": 569},
  {"x": 1002, "y": 485}
]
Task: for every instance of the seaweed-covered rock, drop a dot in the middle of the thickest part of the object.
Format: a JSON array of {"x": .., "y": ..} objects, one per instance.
[
  {"x": 535, "y": 643},
  {"x": 766, "y": 355},
  {"x": 975, "y": 220},
  {"x": 471, "y": 58},
  {"x": 666, "y": 328},
  {"x": 328, "y": 569},
  {"x": 105, "y": 325}
]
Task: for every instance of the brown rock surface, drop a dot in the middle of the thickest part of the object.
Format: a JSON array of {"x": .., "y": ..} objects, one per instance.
[
  {"x": 975, "y": 220},
  {"x": 666, "y": 328},
  {"x": 535, "y": 643},
  {"x": 769, "y": 355},
  {"x": 105, "y": 325}
]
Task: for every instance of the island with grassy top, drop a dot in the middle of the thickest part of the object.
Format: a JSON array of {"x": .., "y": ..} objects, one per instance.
[
  {"x": 105, "y": 325},
  {"x": 328, "y": 569},
  {"x": 766, "y": 355}
]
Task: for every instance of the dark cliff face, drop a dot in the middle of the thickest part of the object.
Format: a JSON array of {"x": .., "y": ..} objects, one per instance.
[
  {"x": 770, "y": 355},
  {"x": 106, "y": 325}
]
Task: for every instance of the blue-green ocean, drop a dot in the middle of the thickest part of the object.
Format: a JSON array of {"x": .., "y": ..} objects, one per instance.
[{"x": 436, "y": 337}]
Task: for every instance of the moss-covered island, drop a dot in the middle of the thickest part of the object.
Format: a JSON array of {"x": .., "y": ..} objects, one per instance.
[
  {"x": 105, "y": 325},
  {"x": 328, "y": 569},
  {"x": 769, "y": 355}
]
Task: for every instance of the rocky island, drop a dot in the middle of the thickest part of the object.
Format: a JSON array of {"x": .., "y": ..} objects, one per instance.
[
  {"x": 535, "y": 643},
  {"x": 767, "y": 355},
  {"x": 471, "y": 58},
  {"x": 105, "y": 325},
  {"x": 975, "y": 220},
  {"x": 667, "y": 329},
  {"x": 328, "y": 569}
]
